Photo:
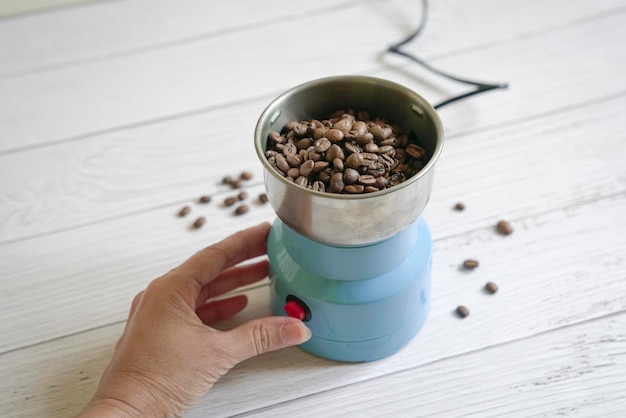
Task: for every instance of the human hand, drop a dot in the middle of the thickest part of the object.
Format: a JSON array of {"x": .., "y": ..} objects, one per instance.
[{"x": 168, "y": 356}]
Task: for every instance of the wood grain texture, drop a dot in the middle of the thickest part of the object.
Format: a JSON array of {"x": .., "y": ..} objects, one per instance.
[
  {"x": 182, "y": 85},
  {"x": 562, "y": 282},
  {"x": 116, "y": 114}
]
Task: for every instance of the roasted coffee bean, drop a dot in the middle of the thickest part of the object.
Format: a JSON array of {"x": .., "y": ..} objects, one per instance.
[
  {"x": 335, "y": 151},
  {"x": 360, "y": 128},
  {"x": 263, "y": 198},
  {"x": 334, "y": 135},
  {"x": 344, "y": 125},
  {"x": 363, "y": 115},
  {"x": 504, "y": 228},
  {"x": 293, "y": 160},
  {"x": 378, "y": 133},
  {"x": 235, "y": 184},
  {"x": 245, "y": 175},
  {"x": 365, "y": 139},
  {"x": 350, "y": 176},
  {"x": 324, "y": 176},
  {"x": 391, "y": 141},
  {"x": 354, "y": 188},
  {"x": 319, "y": 133},
  {"x": 282, "y": 164},
  {"x": 462, "y": 311},
  {"x": 415, "y": 151},
  {"x": 491, "y": 287},
  {"x": 184, "y": 211},
  {"x": 336, "y": 183},
  {"x": 227, "y": 180},
  {"x": 351, "y": 148},
  {"x": 367, "y": 180},
  {"x": 322, "y": 144},
  {"x": 370, "y": 189},
  {"x": 275, "y": 137},
  {"x": 229, "y": 201},
  {"x": 302, "y": 181},
  {"x": 382, "y": 182},
  {"x": 289, "y": 148},
  {"x": 304, "y": 143},
  {"x": 459, "y": 206},
  {"x": 307, "y": 168},
  {"x": 315, "y": 156},
  {"x": 199, "y": 222},
  {"x": 355, "y": 160},
  {"x": 293, "y": 172},
  {"x": 371, "y": 147},
  {"x": 301, "y": 128},
  {"x": 204, "y": 199},
  {"x": 338, "y": 164},
  {"x": 376, "y": 169},
  {"x": 242, "y": 196},
  {"x": 241, "y": 210},
  {"x": 320, "y": 166},
  {"x": 387, "y": 150},
  {"x": 470, "y": 264},
  {"x": 318, "y": 186}
]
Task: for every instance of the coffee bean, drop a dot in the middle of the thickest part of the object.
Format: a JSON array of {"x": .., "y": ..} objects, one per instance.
[
  {"x": 504, "y": 228},
  {"x": 320, "y": 166},
  {"x": 415, "y": 151},
  {"x": 204, "y": 199},
  {"x": 184, "y": 211},
  {"x": 263, "y": 198},
  {"x": 462, "y": 311},
  {"x": 229, "y": 201},
  {"x": 344, "y": 125},
  {"x": 459, "y": 206},
  {"x": 307, "y": 168},
  {"x": 302, "y": 181},
  {"x": 318, "y": 186},
  {"x": 470, "y": 264},
  {"x": 281, "y": 163},
  {"x": 354, "y": 188},
  {"x": 336, "y": 183},
  {"x": 322, "y": 144},
  {"x": 335, "y": 151},
  {"x": 367, "y": 180},
  {"x": 351, "y": 176},
  {"x": 491, "y": 287},
  {"x": 227, "y": 180},
  {"x": 242, "y": 196},
  {"x": 199, "y": 222},
  {"x": 235, "y": 184},
  {"x": 334, "y": 135},
  {"x": 293, "y": 172},
  {"x": 294, "y": 160},
  {"x": 241, "y": 210},
  {"x": 338, "y": 164},
  {"x": 245, "y": 175}
]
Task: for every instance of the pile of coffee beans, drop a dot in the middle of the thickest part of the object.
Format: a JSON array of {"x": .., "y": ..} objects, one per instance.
[{"x": 349, "y": 153}]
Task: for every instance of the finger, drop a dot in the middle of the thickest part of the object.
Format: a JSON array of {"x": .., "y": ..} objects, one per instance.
[
  {"x": 234, "y": 278},
  {"x": 207, "y": 264},
  {"x": 221, "y": 309},
  {"x": 265, "y": 334}
]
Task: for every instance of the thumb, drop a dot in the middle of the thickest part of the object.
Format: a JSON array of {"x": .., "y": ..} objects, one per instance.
[{"x": 266, "y": 334}]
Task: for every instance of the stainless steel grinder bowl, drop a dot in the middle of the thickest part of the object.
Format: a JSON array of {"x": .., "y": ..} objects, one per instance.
[{"x": 342, "y": 219}]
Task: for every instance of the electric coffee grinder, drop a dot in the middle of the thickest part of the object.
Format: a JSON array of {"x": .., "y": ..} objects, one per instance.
[{"x": 355, "y": 268}]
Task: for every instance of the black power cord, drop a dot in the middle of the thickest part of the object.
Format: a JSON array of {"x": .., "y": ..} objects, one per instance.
[{"x": 480, "y": 87}]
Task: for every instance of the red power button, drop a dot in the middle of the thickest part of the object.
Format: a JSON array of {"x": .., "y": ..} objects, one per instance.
[{"x": 294, "y": 310}]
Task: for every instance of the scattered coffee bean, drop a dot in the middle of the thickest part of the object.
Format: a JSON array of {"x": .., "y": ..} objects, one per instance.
[
  {"x": 462, "y": 311},
  {"x": 199, "y": 222},
  {"x": 350, "y": 143},
  {"x": 184, "y": 211},
  {"x": 242, "y": 196},
  {"x": 263, "y": 198},
  {"x": 459, "y": 206},
  {"x": 229, "y": 201},
  {"x": 470, "y": 264},
  {"x": 491, "y": 287},
  {"x": 204, "y": 199},
  {"x": 245, "y": 175},
  {"x": 241, "y": 210},
  {"x": 227, "y": 180},
  {"x": 504, "y": 228}
]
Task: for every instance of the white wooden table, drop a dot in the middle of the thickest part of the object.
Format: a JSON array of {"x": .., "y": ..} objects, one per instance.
[{"x": 115, "y": 114}]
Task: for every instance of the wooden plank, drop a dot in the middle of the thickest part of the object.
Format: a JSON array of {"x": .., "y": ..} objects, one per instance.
[
  {"x": 115, "y": 28},
  {"x": 581, "y": 374},
  {"x": 561, "y": 268},
  {"x": 111, "y": 28},
  {"x": 170, "y": 82}
]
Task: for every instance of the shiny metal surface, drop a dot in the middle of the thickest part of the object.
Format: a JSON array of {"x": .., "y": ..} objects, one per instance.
[{"x": 348, "y": 220}]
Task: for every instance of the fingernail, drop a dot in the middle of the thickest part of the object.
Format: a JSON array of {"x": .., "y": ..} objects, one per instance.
[{"x": 295, "y": 333}]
